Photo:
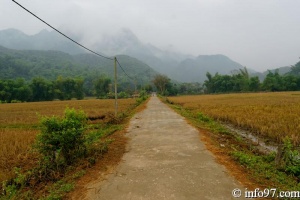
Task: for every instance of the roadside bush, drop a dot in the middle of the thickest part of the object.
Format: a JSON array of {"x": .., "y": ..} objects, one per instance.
[
  {"x": 61, "y": 140},
  {"x": 123, "y": 95},
  {"x": 288, "y": 158},
  {"x": 142, "y": 97}
]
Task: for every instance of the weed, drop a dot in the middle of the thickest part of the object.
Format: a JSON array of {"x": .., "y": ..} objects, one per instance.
[
  {"x": 203, "y": 117},
  {"x": 58, "y": 190},
  {"x": 78, "y": 174},
  {"x": 288, "y": 158},
  {"x": 264, "y": 168}
]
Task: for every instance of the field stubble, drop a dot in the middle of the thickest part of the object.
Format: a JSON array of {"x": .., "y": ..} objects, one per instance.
[
  {"x": 271, "y": 115},
  {"x": 19, "y": 124}
]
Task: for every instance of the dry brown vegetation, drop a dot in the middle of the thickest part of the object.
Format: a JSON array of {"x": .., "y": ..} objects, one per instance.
[
  {"x": 19, "y": 126},
  {"x": 273, "y": 115}
]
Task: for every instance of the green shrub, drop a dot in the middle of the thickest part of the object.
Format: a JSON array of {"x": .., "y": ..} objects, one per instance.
[
  {"x": 203, "y": 117},
  {"x": 288, "y": 158},
  {"x": 142, "y": 97},
  {"x": 58, "y": 190},
  {"x": 123, "y": 95},
  {"x": 15, "y": 101},
  {"x": 61, "y": 140}
]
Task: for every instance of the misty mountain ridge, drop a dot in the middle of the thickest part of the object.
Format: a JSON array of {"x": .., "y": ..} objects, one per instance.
[
  {"x": 126, "y": 42},
  {"x": 178, "y": 66},
  {"x": 44, "y": 40},
  {"x": 207, "y": 63},
  {"x": 51, "y": 64}
]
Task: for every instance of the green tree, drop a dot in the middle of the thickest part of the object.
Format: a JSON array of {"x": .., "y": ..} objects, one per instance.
[
  {"x": 101, "y": 86},
  {"x": 295, "y": 69},
  {"x": 290, "y": 82},
  {"x": 161, "y": 82},
  {"x": 209, "y": 83},
  {"x": 273, "y": 82},
  {"x": 68, "y": 88},
  {"x": 254, "y": 84},
  {"x": 6, "y": 88},
  {"x": 237, "y": 82},
  {"x": 42, "y": 90},
  {"x": 79, "y": 90},
  {"x": 21, "y": 90}
]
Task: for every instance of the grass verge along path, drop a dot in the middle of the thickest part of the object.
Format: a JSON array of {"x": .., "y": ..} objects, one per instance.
[{"x": 241, "y": 158}]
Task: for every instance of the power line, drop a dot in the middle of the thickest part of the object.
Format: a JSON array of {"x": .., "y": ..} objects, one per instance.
[
  {"x": 71, "y": 38},
  {"x": 61, "y": 32},
  {"x": 115, "y": 59},
  {"x": 124, "y": 70}
]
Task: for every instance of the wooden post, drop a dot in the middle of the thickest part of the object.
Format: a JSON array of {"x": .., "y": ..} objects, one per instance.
[{"x": 116, "y": 89}]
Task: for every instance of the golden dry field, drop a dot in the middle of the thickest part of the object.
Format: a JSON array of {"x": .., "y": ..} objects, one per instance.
[
  {"x": 19, "y": 126},
  {"x": 274, "y": 115}
]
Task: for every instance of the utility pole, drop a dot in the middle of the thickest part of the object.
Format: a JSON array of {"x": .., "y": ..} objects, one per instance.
[
  {"x": 116, "y": 91},
  {"x": 135, "y": 86}
]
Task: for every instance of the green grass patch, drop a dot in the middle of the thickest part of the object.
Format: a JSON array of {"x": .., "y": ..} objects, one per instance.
[
  {"x": 58, "y": 190},
  {"x": 99, "y": 131},
  {"x": 200, "y": 120},
  {"x": 263, "y": 170}
]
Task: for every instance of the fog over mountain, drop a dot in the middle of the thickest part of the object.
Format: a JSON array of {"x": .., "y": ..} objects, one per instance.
[
  {"x": 178, "y": 66},
  {"x": 44, "y": 40},
  {"x": 258, "y": 34}
]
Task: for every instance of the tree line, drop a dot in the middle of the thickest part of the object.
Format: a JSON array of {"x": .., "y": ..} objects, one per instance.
[
  {"x": 41, "y": 89},
  {"x": 63, "y": 88},
  {"x": 166, "y": 87},
  {"x": 240, "y": 81}
]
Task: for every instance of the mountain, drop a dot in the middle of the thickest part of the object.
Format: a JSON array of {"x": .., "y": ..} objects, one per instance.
[
  {"x": 51, "y": 64},
  {"x": 44, "y": 40},
  {"x": 195, "y": 69},
  {"x": 177, "y": 66},
  {"x": 181, "y": 67},
  {"x": 125, "y": 42}
]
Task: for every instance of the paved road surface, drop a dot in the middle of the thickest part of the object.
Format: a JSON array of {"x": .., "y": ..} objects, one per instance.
[{"x": 165, "y": 160}]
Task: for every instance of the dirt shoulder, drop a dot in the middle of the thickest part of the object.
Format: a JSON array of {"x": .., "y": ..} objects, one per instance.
[{"x": 164, "y": 160}]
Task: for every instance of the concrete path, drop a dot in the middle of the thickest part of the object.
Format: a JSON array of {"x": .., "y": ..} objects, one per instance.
[{"x": 165, "y": 160}]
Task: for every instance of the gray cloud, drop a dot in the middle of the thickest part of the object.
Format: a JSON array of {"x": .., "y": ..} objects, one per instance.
[{"x": 258, "y": 34}]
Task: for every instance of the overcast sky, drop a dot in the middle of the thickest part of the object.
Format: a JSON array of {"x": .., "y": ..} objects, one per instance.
[{"x": 259, "y": 34}]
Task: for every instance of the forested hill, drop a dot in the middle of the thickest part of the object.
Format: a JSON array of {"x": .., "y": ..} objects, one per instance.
[
  {"x": 177, "y": 66},
  {"x": 51, "y": 64}
]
